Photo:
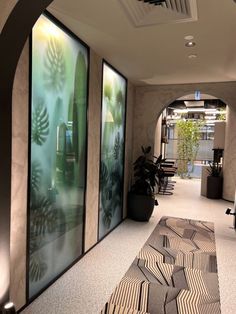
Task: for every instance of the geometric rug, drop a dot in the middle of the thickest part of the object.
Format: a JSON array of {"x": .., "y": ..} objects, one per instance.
[{"x": 174, "y": 273}]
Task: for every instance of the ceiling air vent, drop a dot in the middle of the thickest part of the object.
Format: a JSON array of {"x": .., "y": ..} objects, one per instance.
[{"x": 153, "y": 12}]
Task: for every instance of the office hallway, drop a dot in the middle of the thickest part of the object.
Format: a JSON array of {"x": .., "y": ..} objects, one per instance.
[{"x": 86, "y": 287}]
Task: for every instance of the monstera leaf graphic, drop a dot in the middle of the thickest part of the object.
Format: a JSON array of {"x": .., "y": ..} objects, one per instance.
[
  {"x": 36, "y": 173},
  {"x": 40, "y": 123},
  {"x": 44, "y": 220},
  {"x": 55, "y": 69},
  {"x": 120, "y": 97},
  {"x": 37, "y": 267},
  {"x": 43, "y": 217},
  {"x": 103, "y": 174},
  {"x": 107, "y": 217},
  {"x": 116, "y": 150}
]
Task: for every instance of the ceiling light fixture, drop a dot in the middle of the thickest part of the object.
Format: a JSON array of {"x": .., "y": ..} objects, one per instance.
[
  {"x": 193, "y": 56},
  {"x": 188, "y": 37},
  {"x": 190, "y": 44}
]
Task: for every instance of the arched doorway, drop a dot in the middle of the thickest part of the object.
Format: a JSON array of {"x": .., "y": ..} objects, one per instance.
[{"x": 204, "y": 118}]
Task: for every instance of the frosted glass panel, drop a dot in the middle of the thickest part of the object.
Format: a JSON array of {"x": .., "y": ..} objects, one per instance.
[
  {"x": 58, "y": 152},
  {"x": 112, "y": 150}
]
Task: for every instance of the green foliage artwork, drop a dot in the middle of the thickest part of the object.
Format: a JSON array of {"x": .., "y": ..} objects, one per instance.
[
  {"x": 58, "y": 152},
  {"x": 40, "y": 123},
  {"x": 187, "y": 145},
  {"x": 112, "y": 150}
]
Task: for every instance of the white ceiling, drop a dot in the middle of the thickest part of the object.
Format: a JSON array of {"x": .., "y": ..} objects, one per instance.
[{"x": 157, "y": 54}]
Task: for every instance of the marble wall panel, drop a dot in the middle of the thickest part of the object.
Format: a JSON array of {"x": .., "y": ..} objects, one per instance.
[
  {"x": 128, "y": 145},
  {"x": 229, "y": 165},
  {"x": 19, "y": 180},
  {"x": 94, "y": 120},
  {"x": 6, "y": 7}
]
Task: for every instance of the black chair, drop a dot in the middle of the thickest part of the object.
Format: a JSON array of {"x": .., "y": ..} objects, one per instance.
[{"x": 166, "y": 172}]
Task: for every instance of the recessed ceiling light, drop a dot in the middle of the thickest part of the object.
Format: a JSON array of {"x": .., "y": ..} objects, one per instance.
[
  {"x": 193, "y": 56},
  {"x": 188, "y": 37},
  {"x": 190, "y": 44}
]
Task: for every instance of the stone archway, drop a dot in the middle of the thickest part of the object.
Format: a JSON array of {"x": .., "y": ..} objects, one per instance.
[
  {"x": 157, "y": 147},
  {"x": 17, "y": 20},
  {"x": 150, "y": 102}
]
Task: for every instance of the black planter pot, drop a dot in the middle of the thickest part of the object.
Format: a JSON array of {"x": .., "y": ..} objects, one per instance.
[
  {"x": 214, "y": 187},
  {"x": 140, "y": 207}
]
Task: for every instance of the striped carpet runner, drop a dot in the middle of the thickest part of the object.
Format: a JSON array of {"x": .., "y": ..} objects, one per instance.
[{"x": 174, "y": 273}]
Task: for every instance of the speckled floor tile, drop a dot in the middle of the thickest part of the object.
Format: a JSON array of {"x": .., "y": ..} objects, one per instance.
[{"x": 86, "y": 287}]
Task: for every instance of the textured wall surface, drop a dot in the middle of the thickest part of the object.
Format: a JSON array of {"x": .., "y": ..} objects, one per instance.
[
  {"x": 94, "y": 121},
  {"x": 229, "y": 166},
  {"x": 151, "y": 100},
  {"x": 219, "y": 135},
  {"x": 19, "y": 180},
  {"x": 128, "y": 145},
  {"x": 6, "y": 7}
]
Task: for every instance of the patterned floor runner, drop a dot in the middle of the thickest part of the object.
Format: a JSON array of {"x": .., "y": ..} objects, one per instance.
[{"x": 174, "y": 273}]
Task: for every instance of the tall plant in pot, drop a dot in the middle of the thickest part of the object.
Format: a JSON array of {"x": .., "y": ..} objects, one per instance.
[
  {"x": 214, "y": 181},
  {"x": 187, "y": 145},
  {"x": 141, "y": 199}
]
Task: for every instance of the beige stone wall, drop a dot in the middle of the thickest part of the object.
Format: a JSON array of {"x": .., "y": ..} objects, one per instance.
[
  {"x": 19, "y": 180},
  {"x": 229, "y": 165},
  {"x": 6, "y": 7},
  {"x": 219, "y": 135},
  {"x": 151, "y": 100},
  {"x": 128, "y": 145},
  {"x": 94, "y": 121}
]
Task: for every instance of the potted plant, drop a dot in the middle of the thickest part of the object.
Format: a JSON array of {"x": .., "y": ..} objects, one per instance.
[
  {"x": 187, "y": 146},
  {"x": 214, "y": 181},
  {"x": 141, "y": 199}
]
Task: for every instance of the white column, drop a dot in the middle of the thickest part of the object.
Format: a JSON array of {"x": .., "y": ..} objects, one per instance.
[{"x": 157, "y": 147}]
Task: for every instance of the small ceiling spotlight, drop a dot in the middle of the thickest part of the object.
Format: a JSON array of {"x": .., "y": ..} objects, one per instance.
[
  {"x": 9, "y": 308},
  {"x": 193, "y": 56},
  {"x": 188, "y": 37},
  {"x": 190, "y": 44}
]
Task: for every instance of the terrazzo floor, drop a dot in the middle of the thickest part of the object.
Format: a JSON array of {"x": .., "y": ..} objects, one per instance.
[{"x": 86, "y": 287}]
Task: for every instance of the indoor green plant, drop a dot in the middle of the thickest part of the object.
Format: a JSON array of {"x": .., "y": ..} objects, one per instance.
[
  {"x": 214, "y": 181},
  {"x": 187, "y": 145},
  {"x": 141, "y": 199}
]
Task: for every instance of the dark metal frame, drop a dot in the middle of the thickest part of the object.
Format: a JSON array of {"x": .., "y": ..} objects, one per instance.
[
  {"x": 104, "y": 62},
  {"x": 75, "y": 37}
]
